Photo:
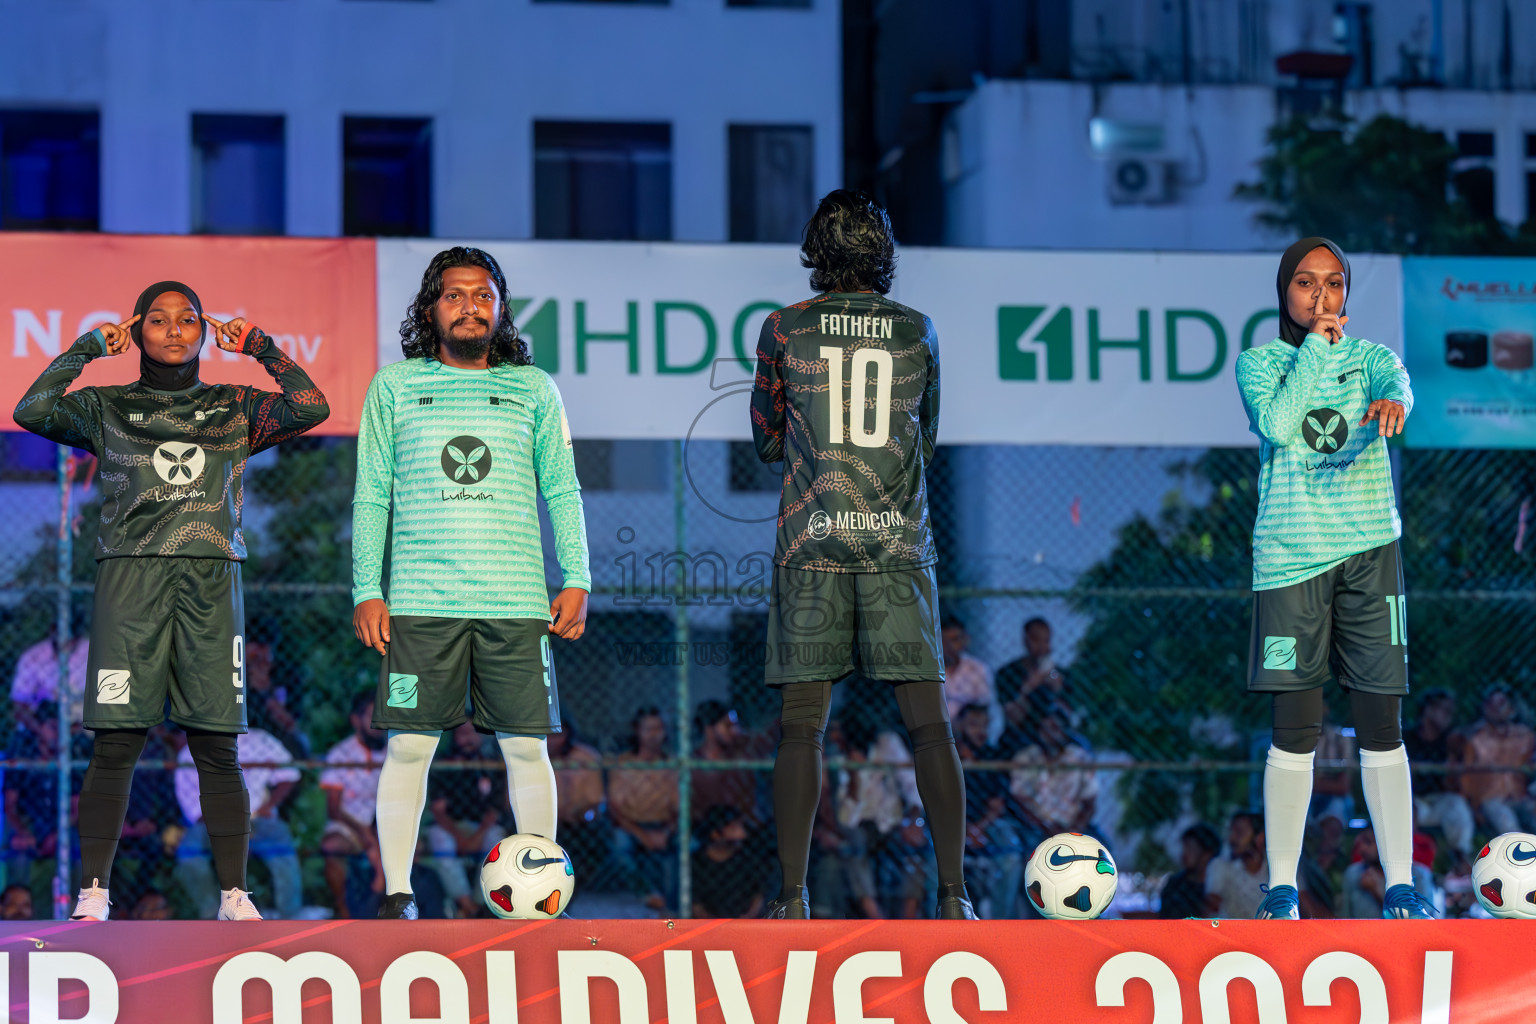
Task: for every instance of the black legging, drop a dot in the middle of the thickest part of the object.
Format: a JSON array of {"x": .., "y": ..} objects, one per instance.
[
  {"x": 1298, "y": 719},
  {"x": 797, "y": 776},
  {"x": 225, "y": 802}
]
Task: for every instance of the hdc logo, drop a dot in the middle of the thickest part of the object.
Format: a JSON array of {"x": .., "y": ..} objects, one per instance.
[{"x": 1194, "y": 342}]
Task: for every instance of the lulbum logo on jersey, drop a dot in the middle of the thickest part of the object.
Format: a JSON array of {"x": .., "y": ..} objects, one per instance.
[
  {"x": 466, "y": 460},
  {"x": 177, "y": 462},
  {"x": 820, "y": 524},
  {"x": 1325, "y": 430}
]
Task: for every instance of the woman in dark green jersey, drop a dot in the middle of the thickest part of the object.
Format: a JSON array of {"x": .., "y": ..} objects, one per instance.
[{"x": 168, "y": 619}]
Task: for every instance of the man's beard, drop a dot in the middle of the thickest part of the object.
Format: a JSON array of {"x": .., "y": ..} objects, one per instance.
[{"x": 465, "y": 350}]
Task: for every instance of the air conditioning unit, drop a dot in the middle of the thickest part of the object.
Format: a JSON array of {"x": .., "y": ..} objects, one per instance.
[{"x": 1143, "y": 180}]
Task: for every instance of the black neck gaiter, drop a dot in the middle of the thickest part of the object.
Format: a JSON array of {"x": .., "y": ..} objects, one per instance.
[
  {"x": 1290, "y": 330},
  {"x": 152, "y": 372}
]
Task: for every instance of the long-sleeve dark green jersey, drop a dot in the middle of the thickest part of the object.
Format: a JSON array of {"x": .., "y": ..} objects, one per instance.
[
  {"x": 172, "y": 462},
  {"x": 847, "y": 396}
]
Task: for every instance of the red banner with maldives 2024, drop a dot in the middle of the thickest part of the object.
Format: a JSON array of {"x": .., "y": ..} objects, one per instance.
[
  {"x": 315, "y": 296},
  {"x": 735, "y": 972}
]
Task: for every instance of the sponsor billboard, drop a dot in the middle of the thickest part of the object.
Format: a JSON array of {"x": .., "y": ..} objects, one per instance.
[
  {"x": 316, "y": 297},
  {"x": 659, "y": 341},
  {"x": 1470, "y": 323},
  {"x": 734, "y": 972}
]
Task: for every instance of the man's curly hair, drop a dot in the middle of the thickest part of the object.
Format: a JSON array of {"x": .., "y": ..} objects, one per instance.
[
  {"x": 848, "y": 244},
  {"x": 419, "y": 336}
]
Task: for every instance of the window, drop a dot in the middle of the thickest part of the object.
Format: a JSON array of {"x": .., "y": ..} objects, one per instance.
[
  {"x": 1472, "y": 174},
  {"x": 387, "y": 176},
  {"x": 771, "y": 188},
  {"x": 1474, "y": 143},
  {"x": 238, "y": 172},
  {"x": 598, "y": 180},
  {"x": 1353, "y": 32},
  {"x": 50, "y": 175}
]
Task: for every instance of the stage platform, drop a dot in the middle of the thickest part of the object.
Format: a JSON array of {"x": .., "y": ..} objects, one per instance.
[{"x": 735, "y": 972}]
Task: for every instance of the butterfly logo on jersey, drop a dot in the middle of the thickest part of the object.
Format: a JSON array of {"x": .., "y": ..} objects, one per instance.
[
  {"x": 466, "y": 460},
  {"x": 1325, "y": 430},
  {"x": 178, "y": 462}
]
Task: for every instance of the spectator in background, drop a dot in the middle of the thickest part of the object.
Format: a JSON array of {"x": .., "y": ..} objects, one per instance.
[
  {"x": 643, "y": 804},
  {"x": 1365, "y": 884},
  {"x": 721, "y": 739},
  {"x": 32, "y": 796},
  {"x": 37, "y": 679},
  {"x": 351, "y": 795},
  {"x": 271, "y": 842},
  {"x": 727, "y": 876},
  {"x": 842, "y": 867},
  {"x": 1499, "y": 798},
  {"x": 1333, "y": 788},
  {"x": 16, "y": 903},
  {"x": 994, "y": 846},
  {"x": 151, "y": 906},
  {"x": 467, "y": 807},
  {"x": 1234, "y": 883},
  {"x": 1032, "y": 686},
  {"x": 581, "y": 799},
  {"x": 1437, "y": 799},
  {"x": 1183, "y": 894},
  {"x": 966, "y": 679},
  {"x": 890, "y": 787},
  {"x": 1320, "y": 872},
  {"x": 1060, "y": 800},
  {"x": 267, "y": 704}
]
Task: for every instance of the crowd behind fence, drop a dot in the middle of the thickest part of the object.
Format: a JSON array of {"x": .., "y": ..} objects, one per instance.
[{"x": 1096, "y": 639}]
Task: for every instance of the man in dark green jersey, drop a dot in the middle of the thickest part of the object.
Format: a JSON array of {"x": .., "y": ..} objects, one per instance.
[
  {"x": 458, "y": 440},
  {"x": 847, "y": 397},
  {"x": 168, "y": 620}
]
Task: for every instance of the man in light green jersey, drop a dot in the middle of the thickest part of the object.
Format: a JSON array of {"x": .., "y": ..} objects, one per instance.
[
  {"x": 1327, "y": 580},
  {"x": 457, "y": 440}
]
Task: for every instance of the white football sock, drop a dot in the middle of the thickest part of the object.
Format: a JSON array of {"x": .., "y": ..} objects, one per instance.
[
  {"x": 1389, "y": 799},
  {"x": 402, "y": 798},
  {"x": 1287, "y": 792},
  {"x": 530, "y": 782}
]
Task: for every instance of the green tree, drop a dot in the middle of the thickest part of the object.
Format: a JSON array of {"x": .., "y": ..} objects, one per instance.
[{"x": 1384, "y": 186}]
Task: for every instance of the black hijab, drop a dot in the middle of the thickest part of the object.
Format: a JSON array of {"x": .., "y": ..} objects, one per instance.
[
  {"x": 152, "y": 372},
  {"x": 1290, "y": 330}
]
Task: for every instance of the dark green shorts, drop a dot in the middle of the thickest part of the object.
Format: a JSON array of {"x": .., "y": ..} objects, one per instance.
[
  {"x": 502, "y": 666},
  {"x": 167, "y": 628},
  {"x": 1352, "y": 620},
  {"x": 824, "y": 625}
]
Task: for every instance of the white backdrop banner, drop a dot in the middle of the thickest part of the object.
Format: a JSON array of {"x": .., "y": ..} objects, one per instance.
[{"x": 658, "y": 340}]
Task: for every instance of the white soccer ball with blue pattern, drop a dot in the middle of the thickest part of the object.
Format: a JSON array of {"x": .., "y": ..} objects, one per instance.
[
  {"x": 1504, "y": 876},
  {"x": 527, "y": 877},
  {"x": 1071, "y": 877}
]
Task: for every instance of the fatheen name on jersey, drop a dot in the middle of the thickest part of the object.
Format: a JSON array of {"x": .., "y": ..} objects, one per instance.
[{"x": 847, "y": 325}]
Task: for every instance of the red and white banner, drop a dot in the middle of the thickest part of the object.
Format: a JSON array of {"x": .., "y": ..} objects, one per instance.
[
  {"x": 733, "y": 972},
  {"x": 314, "y": 296}
]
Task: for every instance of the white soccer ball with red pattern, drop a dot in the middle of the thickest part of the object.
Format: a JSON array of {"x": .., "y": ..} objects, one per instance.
[
  {"x": 527, "y": 877},
  {"x": 1070, "y": 877},
  {"x": 1504, "y": 875}
]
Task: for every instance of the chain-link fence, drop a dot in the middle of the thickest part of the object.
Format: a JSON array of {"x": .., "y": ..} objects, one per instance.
[{"x": 1101, "y": 606}]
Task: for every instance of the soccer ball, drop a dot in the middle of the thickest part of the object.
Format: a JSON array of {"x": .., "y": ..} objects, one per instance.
[
  {"x": 1070, "y": 877},
  {"x": 1504, "y": 876},
  {"x": 527, "y": 877}
]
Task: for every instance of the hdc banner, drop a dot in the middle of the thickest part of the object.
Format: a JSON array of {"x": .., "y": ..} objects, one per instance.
[
  {"x": 1470, "y": 323},
  {"x": 1036, "y": 347},
  {"x": 316, "y": 297},
  {"x": 733, "y": 972}
]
